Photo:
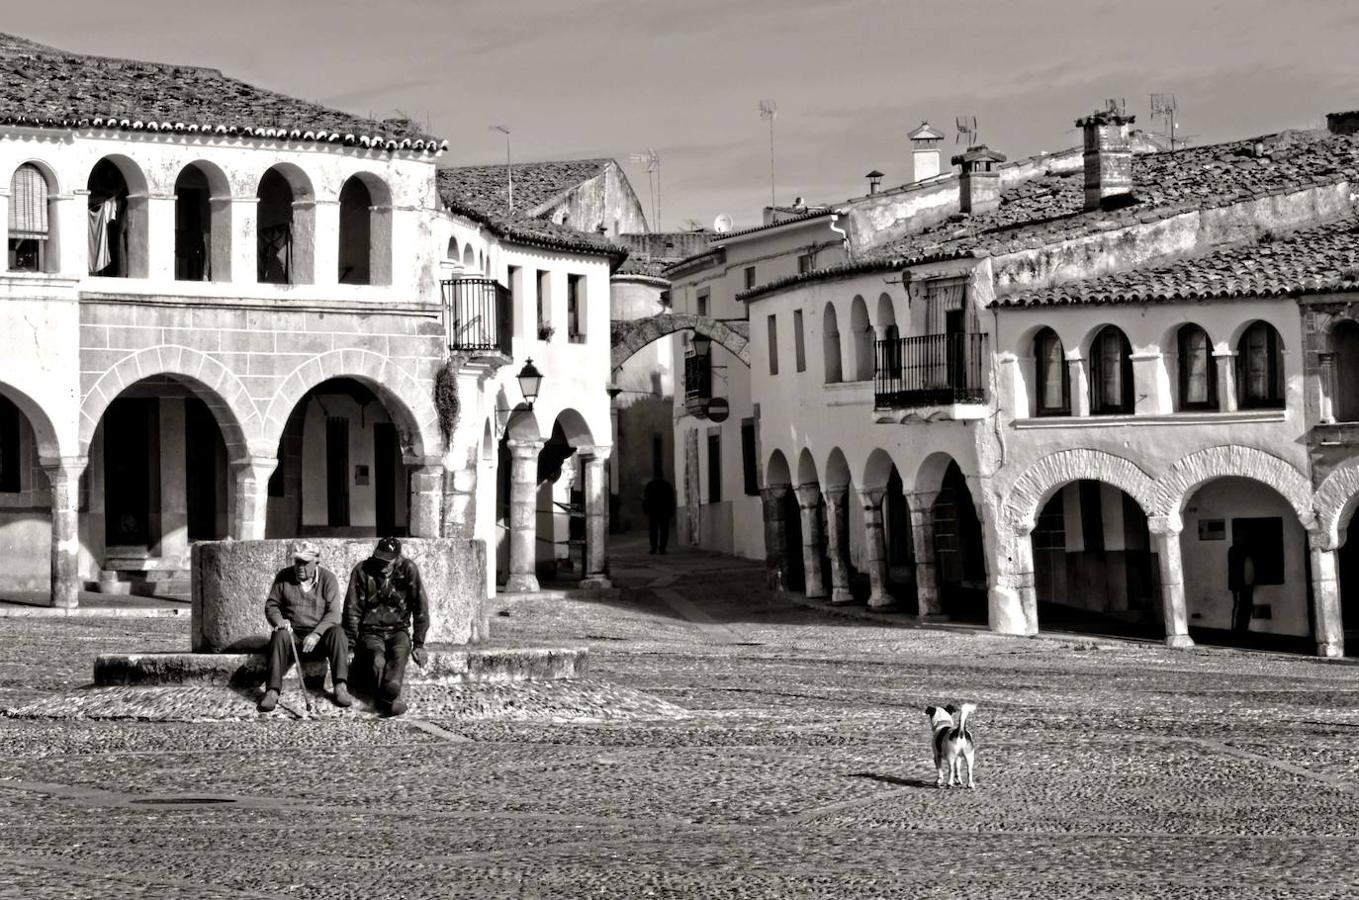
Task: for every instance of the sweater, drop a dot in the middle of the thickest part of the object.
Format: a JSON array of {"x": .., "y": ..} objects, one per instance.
[{"x": 314, "y": 610}]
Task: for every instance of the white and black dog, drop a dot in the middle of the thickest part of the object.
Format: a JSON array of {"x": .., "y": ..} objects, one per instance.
[{"x": 952, "y": 743}]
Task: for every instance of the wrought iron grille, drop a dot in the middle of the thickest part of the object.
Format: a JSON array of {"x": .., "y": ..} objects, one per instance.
[
  {"x": 930, "y": 370},
  {"x": 477, "y": 315}
]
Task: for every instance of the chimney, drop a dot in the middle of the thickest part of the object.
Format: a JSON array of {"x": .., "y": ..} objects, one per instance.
[
  {"x": 874, "y": 179},
  {"x": 1108, "y": 158},
  {"x": 925, "y": 151},
  {"x": 978, "y": 181}
]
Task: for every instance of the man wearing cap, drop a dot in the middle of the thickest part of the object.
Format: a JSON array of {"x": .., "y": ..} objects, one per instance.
[
  {"x": 386, "y": 617},
  {"x": 304, "y": 605}
]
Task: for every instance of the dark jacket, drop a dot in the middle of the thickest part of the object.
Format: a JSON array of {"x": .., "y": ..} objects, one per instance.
[
  {"x": 380, "y": 604},
  {"x": 314, "y": 610},
  {"x": 658, "y": 498}
]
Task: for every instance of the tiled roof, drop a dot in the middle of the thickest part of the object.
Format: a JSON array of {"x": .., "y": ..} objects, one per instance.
[
  {"x": 648, "y": 266},
  {"x": 1320, "y": 259},
  {"x": 815, "y": 212},
  {"x": 46, "y": 87},
  {"x": 851, "y": 269},
  {"x": 487, "y": 188}
]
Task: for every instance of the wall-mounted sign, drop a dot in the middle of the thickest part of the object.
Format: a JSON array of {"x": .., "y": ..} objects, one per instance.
[{"x": 718, "y": 409}]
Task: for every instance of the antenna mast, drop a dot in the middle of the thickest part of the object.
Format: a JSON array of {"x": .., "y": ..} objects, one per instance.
[
  {"x": 1163, "y": 106},
  {"x": 653, "y": 181},
  {"x": 768, "y": 110},
  {"x": 967, "y": 128},
  {"x": 509, "y": 170}
]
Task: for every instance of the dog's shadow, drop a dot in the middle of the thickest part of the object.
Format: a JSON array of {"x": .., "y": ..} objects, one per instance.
[{"x": 892, "y": 779}]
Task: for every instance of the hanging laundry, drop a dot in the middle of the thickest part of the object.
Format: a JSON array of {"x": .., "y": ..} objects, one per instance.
[{"x": 101, "y": 220}]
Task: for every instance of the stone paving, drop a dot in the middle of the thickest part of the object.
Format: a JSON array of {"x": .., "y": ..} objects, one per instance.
[{"x": 726, "y": 743}]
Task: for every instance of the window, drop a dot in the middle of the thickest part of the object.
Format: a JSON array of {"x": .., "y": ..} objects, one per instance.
[
  {"x": 29, "y": 227},
  {"x": 1111, "y": 375},
  {"x": 715, "y": 468},
  {"x": 1198, "y": 374},
  {"x": 10, "y": 480},
  {"x": 544, "y": 310},
  {"x": 830, "y": 345},
  {"x": 799, "y": 350},
  {"x": 750, "y": 277},
  {"x": 1052, "y": 387},
  {"x": 1345, "y": 384},
  {"x": 804, "y": 263},
  {"x": 749, "y": 466},
  {"x": 773, "y": 345},
  {"x": 1260, "y": 368},
  {"x": 575, "y": 308},
  {"x": 703, "y": 302}
]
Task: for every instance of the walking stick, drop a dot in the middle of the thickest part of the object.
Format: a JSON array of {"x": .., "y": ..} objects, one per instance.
[{"x": 301, "y": 679}]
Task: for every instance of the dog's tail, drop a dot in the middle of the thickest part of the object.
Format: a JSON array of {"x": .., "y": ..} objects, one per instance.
[{"x": 963, "y": 712}]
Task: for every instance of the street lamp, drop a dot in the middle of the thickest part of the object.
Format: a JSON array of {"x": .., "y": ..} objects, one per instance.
[{"x": 530, "y": 380}]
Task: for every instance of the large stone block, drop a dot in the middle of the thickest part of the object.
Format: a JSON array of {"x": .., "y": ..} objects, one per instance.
[{"x": 232, "y": 578}]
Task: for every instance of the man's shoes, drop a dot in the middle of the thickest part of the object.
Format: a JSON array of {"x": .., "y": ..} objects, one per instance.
[
  {"x": 342, "y": 697},
  {"x": 397, "y": 707},
  {"x": 268, "y": 701}
]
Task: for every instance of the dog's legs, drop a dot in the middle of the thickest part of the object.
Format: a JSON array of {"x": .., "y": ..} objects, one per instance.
[
  {"x": 939, "y": 774},
  {"x": 954, "y": 765},
  {"x": 968, "y": 756}
]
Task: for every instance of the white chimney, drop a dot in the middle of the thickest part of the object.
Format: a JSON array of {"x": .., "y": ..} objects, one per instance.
[{"x": 925, "y": 151}]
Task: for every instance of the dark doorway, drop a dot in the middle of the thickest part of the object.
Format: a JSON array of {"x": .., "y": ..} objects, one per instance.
[
  {"x": 1345, "y": 344},
  {"x": 385, "y": 454},
  {"x": 202, "y": 451},
  {"x": 792, "y": 543},
  {"x": 960, "y": 566},
  {"x": 1349, "y": 590},
  {"x": 337, "y": 471},
  {"x": 896, "y": 515},
  {"x": 131, "y": 471},
  {"x": 954, "y": 328}
]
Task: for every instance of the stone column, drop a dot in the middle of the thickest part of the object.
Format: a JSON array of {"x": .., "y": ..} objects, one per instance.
[
  {"x": 1147, "y": 384},
  {"x": 808, "y": 499},
  {"x": 1226, "y": 379},
  {"x": 596, "y": 482},
  {"x": 1328, "y": 627},
  {"x": 244, "y": 240},
  {"x": 460, "y": 500},
  {"x": 523, "y": 516},
  {"x": 174, "y": 482},
  {"x": 775, "y": 537},
  {"x": 1165, "y": 543},
  {"x": 160, "y": 237},
  {"x": 1080, "y": 385},
  {"x": 1011, "y": 602},
  {"x": 837, "y": 523},
  {"x": 251, "y": 497},
  {"x": 922, "y": 541},
  {"x": 426, "y": 500},
  {"x": 875, "y": 549},
  {"x": 64, "y": 475}
]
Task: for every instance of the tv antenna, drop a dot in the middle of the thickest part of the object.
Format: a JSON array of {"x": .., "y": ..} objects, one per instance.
[
  {"x": 1164, "y": 106},
  {"x": 967, "y": 127},
  {"x": 1116, "y": 106},
  {"x": 509, "y": 170},
  {"x": 653, "y": 181},
  {"x": 768, "y": 110}
]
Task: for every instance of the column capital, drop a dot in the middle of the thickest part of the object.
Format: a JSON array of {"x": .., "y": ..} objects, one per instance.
[
  {"x": 59, "y": 464},
  {"x": 836, "y": 494},
  {"x": 1169, "y": 526},
  {"x": 871, "y": 498},
  {"x": 775, "y": 492},
  {"x": 599, "y": 452},
  {"x": 1321, "y": 542},
  {"x": 808, "y": 495},
  {"x": 423, "y": 462}
]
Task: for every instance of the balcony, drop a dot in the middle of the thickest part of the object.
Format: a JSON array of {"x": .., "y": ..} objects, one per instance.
[
  {"x": 932, "y": 370},
  {"x": 698, "y": 382},
  {"x": 477, "y": 316}
]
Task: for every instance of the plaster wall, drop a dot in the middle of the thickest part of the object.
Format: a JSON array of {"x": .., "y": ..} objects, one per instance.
[{"x": 605, "y": 201}]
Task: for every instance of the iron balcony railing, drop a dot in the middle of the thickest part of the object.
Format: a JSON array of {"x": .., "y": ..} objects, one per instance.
[
  {"x": 931, "y": 370},
  {"x": 477, "y": 315},
  {"x": 698, "y": 377}
]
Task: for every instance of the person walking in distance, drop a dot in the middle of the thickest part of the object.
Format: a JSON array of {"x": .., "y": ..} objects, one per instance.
[
  {"x": 304, "y": 604},
  {"x": 386, "y": 618},
  {"x": 1241, "y": 582},
  {"x": 658, "y": 502}
]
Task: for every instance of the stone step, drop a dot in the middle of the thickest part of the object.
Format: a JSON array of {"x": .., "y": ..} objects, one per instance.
[
  {"x": 444, "y": 666},
  {"x": 166, "y": 583}
]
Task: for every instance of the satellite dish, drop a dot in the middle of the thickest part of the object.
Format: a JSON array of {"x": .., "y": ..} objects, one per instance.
[{"x": 722, "y": 224}]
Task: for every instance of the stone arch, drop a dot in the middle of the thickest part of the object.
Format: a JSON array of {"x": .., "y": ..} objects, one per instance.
[
  {"x": 929, "y": 476},
  {"x": 837, "y": 470},
  {"x": 574, "y": 427},
  {"x": 1174, "y": 488},
  {"x": 365, "y": 232},
  {"x": 1042, "y": 479},
  {"x": 407, "y": 401},
  {"x": 632, "y": 335},
  {"x": 203, "y": 222},
  {"x": 1335, "y": 502},
  {"x": 877, "y": 470},
  {"x": 806, "y": 468},
  {"x": 44, "y": 430},
  {"x": 776, "y": 473},
  {"x": 213, "y": 383},
  {"x": 468, "y": 260}
]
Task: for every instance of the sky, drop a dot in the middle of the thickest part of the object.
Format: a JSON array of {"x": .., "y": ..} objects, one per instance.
[{"x": 587, "y": 78}]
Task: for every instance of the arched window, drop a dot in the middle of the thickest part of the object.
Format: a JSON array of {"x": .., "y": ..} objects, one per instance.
[
  {"x": 830, "y": 345},
  {"x": 202, "y": 233},
  {"x": 1052, "y": 387},
  {"x": 862, "y": 332},
  {"x": 1111, "y": 373},
  {"x": 117, "y": 221},
  {"x": 453, "y": 250},
  {"x": 355, "y": 233},
  {"x": 468, "y": 260},
  {"x": 1259, "y": 368},
  {"x": 30, "y": 227},
  {"x": 1345, "y": 386},
  {"x": 1198, "y": 374},
  {"x": 284, "y": 227}
]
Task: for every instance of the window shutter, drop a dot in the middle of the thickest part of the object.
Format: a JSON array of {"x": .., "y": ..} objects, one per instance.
[{"x": 28, "y": 204}]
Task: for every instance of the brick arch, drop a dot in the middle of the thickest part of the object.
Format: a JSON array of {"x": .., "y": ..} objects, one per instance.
[
  {"x": 631, "y": 335},
  {"x": 1042, "y": 479},
  {"x": 407, "y": 401},
  {"x": 213, "y": 383},
  {"x": 1335, "y": 502},
  {"x": 1189, "y": 473}
]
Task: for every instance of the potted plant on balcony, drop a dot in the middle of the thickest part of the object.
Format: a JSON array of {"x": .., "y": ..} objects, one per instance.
[{"x": 545, "y": 332}]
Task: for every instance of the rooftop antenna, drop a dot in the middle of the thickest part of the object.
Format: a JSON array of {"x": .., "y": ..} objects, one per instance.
[
  {"x": 768, "y": 110},
  {"x": 1164, "y": 106},
  {"x": 509, "y": 170},
  {"x": 653, "y": 180},
  {"x": 967, "y": 127}
]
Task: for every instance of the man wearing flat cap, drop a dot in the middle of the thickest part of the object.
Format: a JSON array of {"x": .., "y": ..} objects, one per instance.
[
  {"x": 386, "y": 618},
  {"x": 304, "y": 604}
]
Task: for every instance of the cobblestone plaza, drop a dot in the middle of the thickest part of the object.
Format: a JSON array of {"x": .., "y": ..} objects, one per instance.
[{"x": 725, "y": 743}]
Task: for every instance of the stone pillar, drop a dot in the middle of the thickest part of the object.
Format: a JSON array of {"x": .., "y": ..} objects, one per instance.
[
  {"x": 160, "y": 237},
  {"x": 875, "y": 549},
  {"x": 1080, "y": 385},
  {"x": 596, "y": 483},
  {"x": 426, "y": 500},
  {"x": 460, "y": 500},
  {"x": 316, "y": 242},
  {"x": 251, "y": 496},
  {"x": 174, "y": 481},
  {"x": 808, "y": 499},
  {"x": 1226, "y": 379},
  {"x": 244, "y": 241},
  {"x": 64, "y": 475},
  {"x": 837, "y": 523},
  {"x": 922, "y": 541},
  {"x": 1328, "y": 627},
  {"x": 1165, "y": 543},
  {"x": 1147, "y": 384},
  {"x": 523, "y": 516},
  {"x": 1011, "y": 602},
  {"x": 775, "y": 537}
]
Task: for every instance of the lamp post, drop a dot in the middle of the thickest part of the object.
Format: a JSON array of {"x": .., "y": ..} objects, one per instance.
[
  {"x": 509, "y": 170},
  {"x": 530, "y": 381}
]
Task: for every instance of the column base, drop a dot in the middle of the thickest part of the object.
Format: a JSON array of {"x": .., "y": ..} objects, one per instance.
[
  {"x": 596, "y": 583},
  {"x": 840, "y": 596},
  {"x": 1179, "y": 642},
  {"x": 1331, "y": 649},
  {"x": 814, "y": 594},
  {"x": 73, "y": 603},
  {"x": 521, "y": 584},
  {"x": 882, "y": 602},
  {"x": 932, "y": 619}
]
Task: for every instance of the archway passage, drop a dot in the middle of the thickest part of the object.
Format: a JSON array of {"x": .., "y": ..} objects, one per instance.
[
  {"x": 27, "y": 509},
  {"x": 899, "y": 544},
  {"x": 1345, "y": 345},
  {"x": 960, "y": 563},
  {"x": 1348, "y": 572},
  {"x": 631, "y": 335},
  {"x": 1094, "y": 569},
  {"x": 340, "y": 469}
]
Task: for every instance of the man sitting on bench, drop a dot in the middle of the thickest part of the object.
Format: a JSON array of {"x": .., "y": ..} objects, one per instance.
[{"x": 305, "y": 605}]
